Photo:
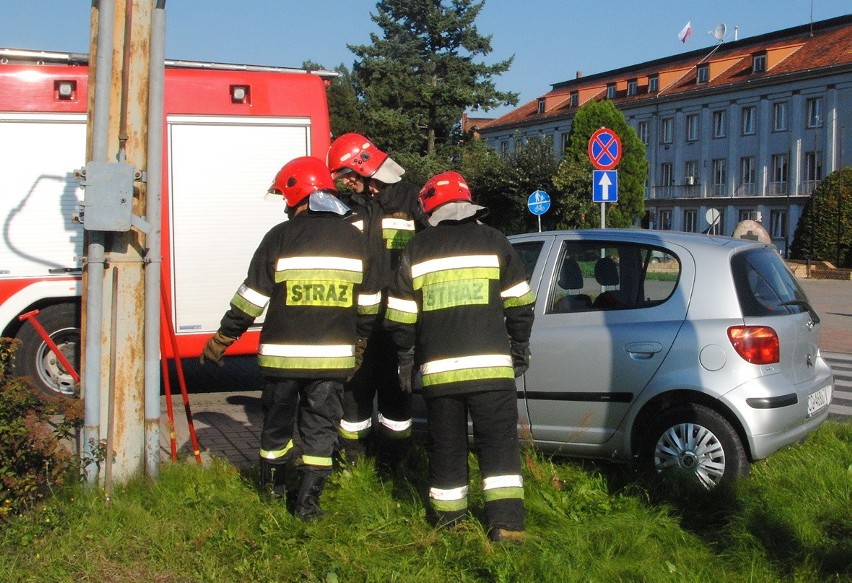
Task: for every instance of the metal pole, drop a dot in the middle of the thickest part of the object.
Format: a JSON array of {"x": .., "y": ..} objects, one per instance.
[
  {"x": 603, "y": 215},
  {"x": 101, "y": 49},
  {"x": 154, "y": 261}
]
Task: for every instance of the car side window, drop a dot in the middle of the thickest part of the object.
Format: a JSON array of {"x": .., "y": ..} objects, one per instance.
[
  {"x": 529, "y": 253},
  {"x": 595, "y": 276}
]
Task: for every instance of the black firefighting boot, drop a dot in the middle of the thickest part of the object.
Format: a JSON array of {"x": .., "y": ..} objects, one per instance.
[
  {"x": 349, "y": 451},
  {"x": 311, "y": 484},
  {"x": 391, "y": 452},
  {"x": 274, "y": 477}
]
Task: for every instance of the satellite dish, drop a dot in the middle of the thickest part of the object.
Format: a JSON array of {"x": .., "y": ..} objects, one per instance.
[{"x": 719, "y": 33}]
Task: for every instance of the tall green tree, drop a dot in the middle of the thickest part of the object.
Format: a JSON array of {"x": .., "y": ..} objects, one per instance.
[
  {"x": 573, "y": 181},
  {"x": 824, "y": 231},
  {"x": 418, "y": 78},
  {"x": 345, "y": 110}
]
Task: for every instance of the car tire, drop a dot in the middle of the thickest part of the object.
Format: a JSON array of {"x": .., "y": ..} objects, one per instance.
[
  {"x": 695, "y": 442},
  {"x": 35, "y": 360}
]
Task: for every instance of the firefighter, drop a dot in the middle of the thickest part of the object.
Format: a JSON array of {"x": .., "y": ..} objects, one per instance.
[
  {"x": 388, "y": 214},
  {"x": 462, "y": 310},
  {"x": 309, "y": 273}
]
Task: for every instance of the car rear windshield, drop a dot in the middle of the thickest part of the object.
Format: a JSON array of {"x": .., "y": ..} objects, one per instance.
[{"x": 765, "y": 286}]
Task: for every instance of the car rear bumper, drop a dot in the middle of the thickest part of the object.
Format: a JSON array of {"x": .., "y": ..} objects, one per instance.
[{"x": 774, "y": 412}]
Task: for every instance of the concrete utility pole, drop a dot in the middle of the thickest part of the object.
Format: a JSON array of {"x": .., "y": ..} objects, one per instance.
[{"x": 113, "y": 376}]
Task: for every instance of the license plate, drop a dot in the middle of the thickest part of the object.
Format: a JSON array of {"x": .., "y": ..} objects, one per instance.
[{"x": 818, "y": 400}]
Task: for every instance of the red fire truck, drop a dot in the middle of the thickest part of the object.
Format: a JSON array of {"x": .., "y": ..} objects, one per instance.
[{"x": 227, "y": 131}]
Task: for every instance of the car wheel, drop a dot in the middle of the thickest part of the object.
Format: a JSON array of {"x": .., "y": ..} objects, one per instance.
[
  {"x": 36, "y": 360},
  {"x": 696, "y": 442}
]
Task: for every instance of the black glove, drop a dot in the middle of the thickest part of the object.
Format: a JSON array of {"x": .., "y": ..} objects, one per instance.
[
  {"x": 406, "y": 369},
  {"x": 214, "y": 350},
  {"x": 520, "y": 352}
]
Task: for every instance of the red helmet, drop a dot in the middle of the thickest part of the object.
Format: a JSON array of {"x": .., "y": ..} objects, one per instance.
[
  {"x": 300, "y": 177},
  {"x": 443, "y": 188},
  {"x": 356, "y": 153}
]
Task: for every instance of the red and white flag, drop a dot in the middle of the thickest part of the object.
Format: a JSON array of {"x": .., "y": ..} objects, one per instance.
[{"x": 685, "y": 32}]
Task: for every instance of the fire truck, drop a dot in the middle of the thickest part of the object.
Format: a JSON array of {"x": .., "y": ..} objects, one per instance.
[{"x": 227, "y": 130}]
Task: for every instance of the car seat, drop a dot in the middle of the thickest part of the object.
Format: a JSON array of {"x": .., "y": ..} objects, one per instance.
[
  {"x": 571, "y": 278},
  {"x": 606, "y": 274}
]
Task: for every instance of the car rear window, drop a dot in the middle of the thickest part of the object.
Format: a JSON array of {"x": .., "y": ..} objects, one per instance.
[{"x": 765, "y": 286}]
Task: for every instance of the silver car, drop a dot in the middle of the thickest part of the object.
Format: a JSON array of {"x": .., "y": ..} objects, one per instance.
[{"x": 686, "y": 352}]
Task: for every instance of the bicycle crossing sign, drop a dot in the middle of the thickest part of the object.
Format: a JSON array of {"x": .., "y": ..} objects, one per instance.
[{"x": 604, "y": 149}]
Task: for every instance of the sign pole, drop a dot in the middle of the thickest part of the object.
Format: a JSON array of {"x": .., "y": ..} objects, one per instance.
[{"x": 603, "y": 215}]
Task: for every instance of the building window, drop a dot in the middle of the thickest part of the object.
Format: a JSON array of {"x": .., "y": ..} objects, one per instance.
[
  {"x": 541, "y": 105},
  {"x": 703, "y": 73},
  {"x": 749, "y": 215},
  {"x": 778, "y": 224},
  {"x": 814, "y": 109},
  {"x": 653, "y": 84},
  {"x": 642, "y": 131},
  {"x": 691, "y": 128},
  {"x": 666, "y": 130},
  {"x": 504, "y": 148},
  {"x": 690, "y": 172},
  {"x": 780, "y": 174},
  {"x": 665, "y": 221},
  {"x": 779, "y": 116},
  {"x": 690, "y": 221},
  {"x": 720, "y": 177},
  {"x": 758, "y": 63},
  {"x": 748, "y": 120},
  {"x": 565, "y": 142},
  {"x": 575, "y": 99},
  {"x": 812, "y": 172},
  {"x": 720, "y": 119},
  {"x": 666, "y": 181},
  {"x": 610, "y": 91},
  {"x": 747, "y": 174},
  {"x": 632, "y": 87}
]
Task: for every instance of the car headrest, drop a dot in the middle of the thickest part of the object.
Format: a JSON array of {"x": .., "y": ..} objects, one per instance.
[
  {"x": 606, "y": 271},
  {"x": 570, "y": 276}
]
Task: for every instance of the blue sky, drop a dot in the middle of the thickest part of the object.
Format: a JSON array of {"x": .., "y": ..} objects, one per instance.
[{"x": 550, "y": 39}]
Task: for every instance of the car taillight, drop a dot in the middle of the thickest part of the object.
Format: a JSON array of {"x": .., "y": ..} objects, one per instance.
[{"x": 756, "y": 344}]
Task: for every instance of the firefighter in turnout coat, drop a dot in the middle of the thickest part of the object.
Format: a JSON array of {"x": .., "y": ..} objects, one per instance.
[
  {"x": 462, "y": 303},
  {"x": 309, "y": 272},
  {"x": 387, "y": 211}
]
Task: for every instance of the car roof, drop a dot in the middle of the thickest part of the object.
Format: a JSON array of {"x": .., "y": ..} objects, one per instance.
[{"x": 687, "y": 240}]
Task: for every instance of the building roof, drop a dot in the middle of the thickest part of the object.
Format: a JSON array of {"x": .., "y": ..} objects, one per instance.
[{"x": 807, "y": 49}]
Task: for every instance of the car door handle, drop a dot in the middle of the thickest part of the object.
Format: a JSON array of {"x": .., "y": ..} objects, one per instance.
[{"x": 643, "y": 350}]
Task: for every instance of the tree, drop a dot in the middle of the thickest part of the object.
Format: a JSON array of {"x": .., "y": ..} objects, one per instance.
[
  {"x": 344, "y": 108},
  {"x": 573, "y": 181},
  {"x": 825, "y": 229},
  {"x": 418, "y": 79}
]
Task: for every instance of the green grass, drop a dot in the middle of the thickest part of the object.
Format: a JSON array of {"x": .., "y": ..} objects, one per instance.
[{"x": 790, "y": 520}]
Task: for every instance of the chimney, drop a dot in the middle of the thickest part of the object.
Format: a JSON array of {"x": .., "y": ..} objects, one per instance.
[{"x": 579, "y": 74}]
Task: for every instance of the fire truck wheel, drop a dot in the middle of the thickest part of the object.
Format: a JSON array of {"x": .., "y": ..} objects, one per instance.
[{"x": 34, "y": 358}]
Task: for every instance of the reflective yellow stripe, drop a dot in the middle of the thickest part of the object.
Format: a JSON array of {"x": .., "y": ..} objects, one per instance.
[
  {"x": 395, "y": 429},
  {"x": 250, "y": 301},
  {"x": 402, "y": 311},
  {"x": 448, "y": 500},
  {"x": 449, "y": 263},
  {"x": 524, "y": 300},
  {"x": 354, "y": 429},
  {"x": 317, "y": 357},
  {"x": 315, "y": 460},
  {"x": 456, "y": 275},
  {"x": 277, "y": 454}
]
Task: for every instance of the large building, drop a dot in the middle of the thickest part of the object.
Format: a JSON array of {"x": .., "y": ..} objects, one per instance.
[{"x": 745, "y": 129}]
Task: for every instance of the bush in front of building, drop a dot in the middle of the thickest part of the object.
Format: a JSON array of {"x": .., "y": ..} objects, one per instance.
[{"x": 824, "y": 232}]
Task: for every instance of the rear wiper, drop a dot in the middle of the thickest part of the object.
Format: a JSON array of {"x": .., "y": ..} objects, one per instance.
[{"x": 806, "y": 305}]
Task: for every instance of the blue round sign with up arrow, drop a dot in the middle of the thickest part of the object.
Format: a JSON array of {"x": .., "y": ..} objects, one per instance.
[{"x": 538, "y": 202}]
